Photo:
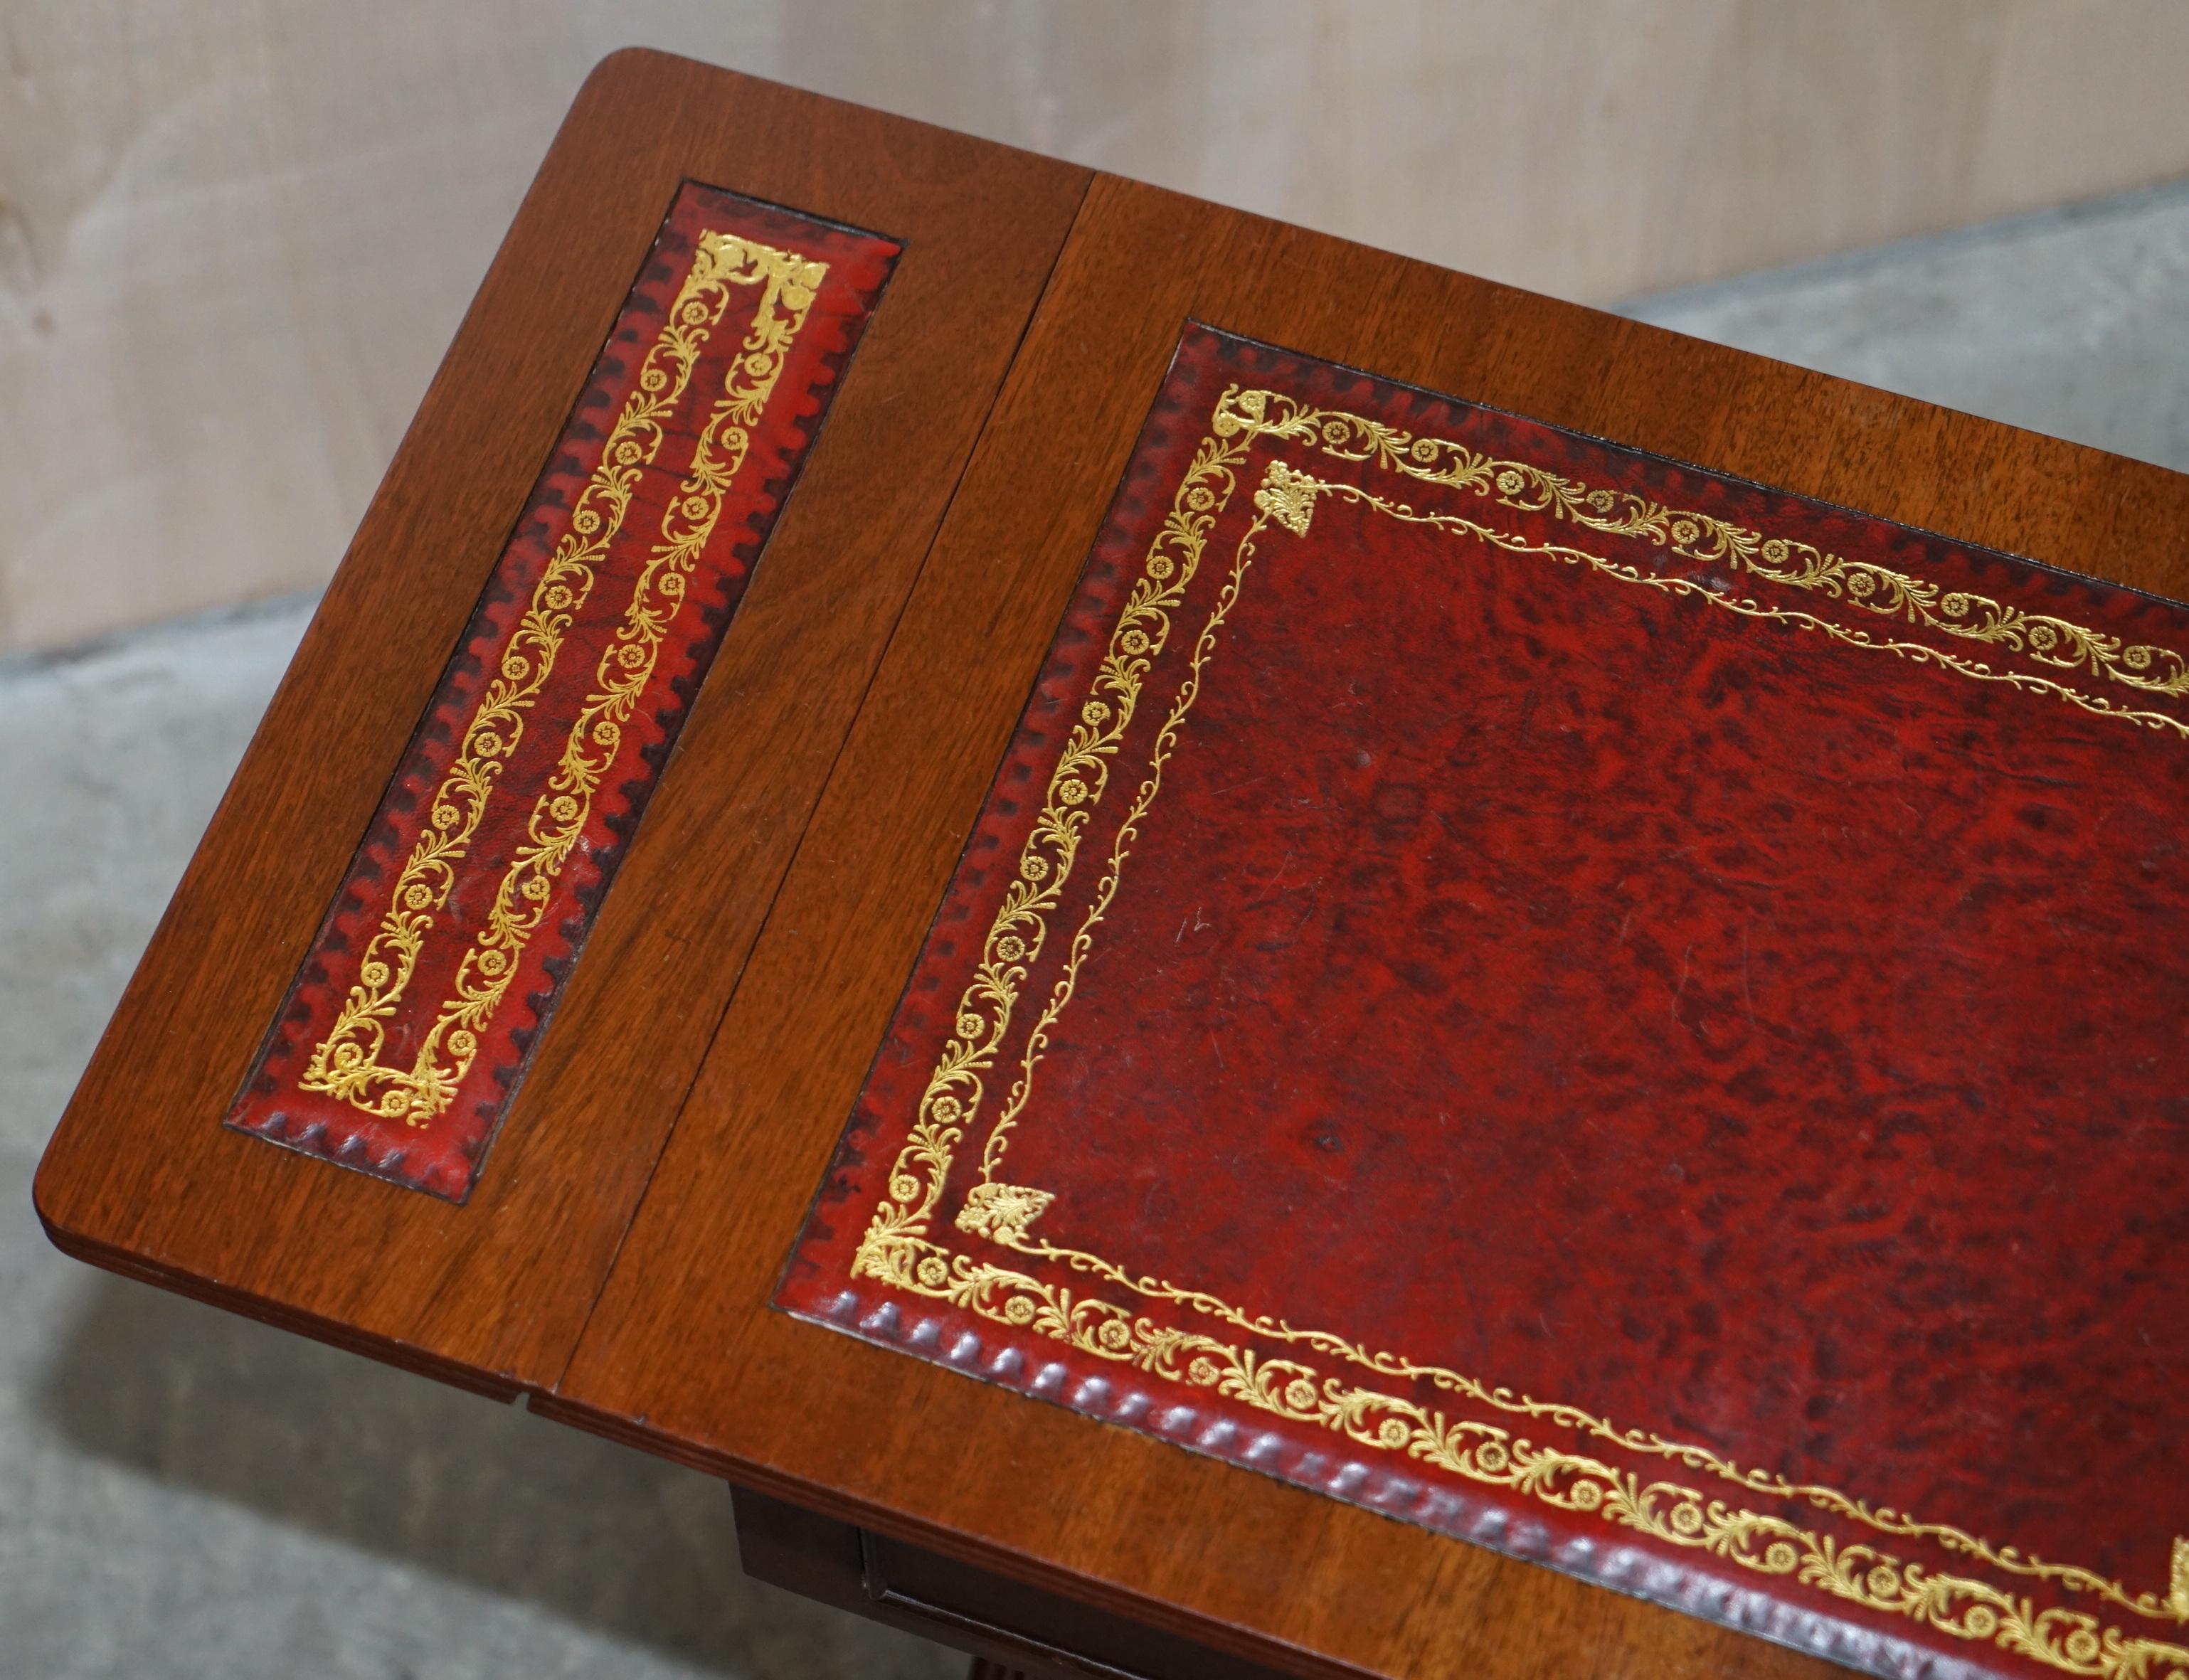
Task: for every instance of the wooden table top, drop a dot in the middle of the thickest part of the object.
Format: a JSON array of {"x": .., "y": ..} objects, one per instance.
[{"x": 616, "y": 1262}]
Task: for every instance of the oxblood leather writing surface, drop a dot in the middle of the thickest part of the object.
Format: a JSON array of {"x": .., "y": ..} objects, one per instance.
[{"x": 1609, "y": 1011}]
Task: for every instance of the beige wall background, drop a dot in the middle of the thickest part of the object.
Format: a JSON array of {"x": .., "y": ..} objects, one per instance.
[{"x": 236, "y": 235}]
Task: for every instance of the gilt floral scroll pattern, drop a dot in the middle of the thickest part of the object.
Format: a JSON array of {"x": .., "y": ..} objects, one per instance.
[
  {"x": 1016, "y": 938},
  {"x": 1487, "y": 1453},
  {"x": 1526, "y": 489}
]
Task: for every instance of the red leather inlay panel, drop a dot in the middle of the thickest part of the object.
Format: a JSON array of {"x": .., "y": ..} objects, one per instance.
[
  {"x": 1614, "y": 1012},
  {"x": 407, "y": 1032}
]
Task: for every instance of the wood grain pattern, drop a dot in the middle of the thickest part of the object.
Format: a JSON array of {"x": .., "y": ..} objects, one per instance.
[
  {"x": 803, "y": 917},
  {"x": 679, "y": 1337},
  {"x": 140, "y": 1168}
]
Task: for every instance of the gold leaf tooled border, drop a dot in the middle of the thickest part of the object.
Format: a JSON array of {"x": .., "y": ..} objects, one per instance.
[
  {"x": 899, "y": 1251},
  {"x": 347, "y": 1063}
]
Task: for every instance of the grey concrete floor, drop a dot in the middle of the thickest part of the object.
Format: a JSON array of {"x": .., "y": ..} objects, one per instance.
[
  {"x": 186, "y": 1494},
  {"x": 2073, "y": 322}
]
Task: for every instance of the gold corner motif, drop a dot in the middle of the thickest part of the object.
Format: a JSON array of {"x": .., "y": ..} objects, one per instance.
[
  {"x": 899, "y": 1251},
  {"x": 1002, "y": 1213},
  {"x": 347, "y": 1063},
  {"x": 1288, "y": 497}
]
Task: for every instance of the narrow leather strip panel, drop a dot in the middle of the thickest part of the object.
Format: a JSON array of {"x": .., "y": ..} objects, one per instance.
[{"x": 407, "y": 1032}]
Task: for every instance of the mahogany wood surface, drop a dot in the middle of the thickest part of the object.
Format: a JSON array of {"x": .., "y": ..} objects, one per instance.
[
  {"x": 802, "y": 839},
  {"x": 141, "y": 1174}
]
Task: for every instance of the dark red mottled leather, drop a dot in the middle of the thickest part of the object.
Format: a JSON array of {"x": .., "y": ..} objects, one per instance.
[
  {"x": 1619, "y": 1036},
  {"x": 471, "y": 894}
]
